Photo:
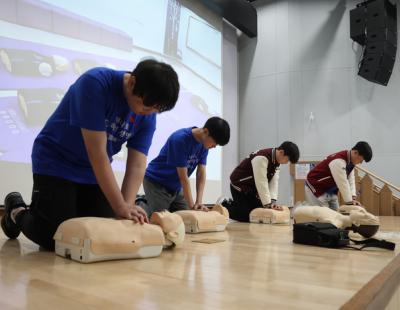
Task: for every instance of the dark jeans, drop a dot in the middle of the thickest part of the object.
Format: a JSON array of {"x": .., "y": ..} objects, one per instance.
[
  {"x": 242, "y": 205},
  {"x": 55, "y": 200}
]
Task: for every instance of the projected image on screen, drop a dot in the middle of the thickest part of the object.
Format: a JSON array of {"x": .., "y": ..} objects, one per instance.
[{"x": 46, "y": 45}]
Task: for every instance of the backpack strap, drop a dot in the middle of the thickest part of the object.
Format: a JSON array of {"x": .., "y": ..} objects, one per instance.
[{"x": 373, "y": 243}]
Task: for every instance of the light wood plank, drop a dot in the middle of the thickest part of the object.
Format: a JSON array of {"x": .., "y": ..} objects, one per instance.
[
  {"x": 376, "y": 202},
  {"x": 396, "y": 188},
  {"x": 367, "y": 191},
  {"x": 397, "y": 207},
  {"x": 386, "y": 201},
  {"x": 378, "y": 292},
  {"x": 257, "y": 266}
]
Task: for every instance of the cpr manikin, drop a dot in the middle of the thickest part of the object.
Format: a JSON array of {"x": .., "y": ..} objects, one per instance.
[
  {"x": 345, "y": 209},
  {"x": 270, "y": 216},
  {"x": 91, "y": 239},
  {"x": 358, "y": 220},
  {"x": 199, "y": 221},
  {"x": 172, "y": 226}
]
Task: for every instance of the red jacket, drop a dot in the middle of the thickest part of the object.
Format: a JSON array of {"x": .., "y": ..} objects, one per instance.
[{"x": 320, "y": 179}]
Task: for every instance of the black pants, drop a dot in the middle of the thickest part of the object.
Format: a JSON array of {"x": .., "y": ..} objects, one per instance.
[
  {"x": 243, "y": 204},
  {"x": 55, "y": 200}
]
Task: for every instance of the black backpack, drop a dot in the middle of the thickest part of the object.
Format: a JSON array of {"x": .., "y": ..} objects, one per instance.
[{"x": 329, "y": 236}]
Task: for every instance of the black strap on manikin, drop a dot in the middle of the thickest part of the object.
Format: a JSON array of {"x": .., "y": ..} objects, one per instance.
[{"x": 373, "y": 243}]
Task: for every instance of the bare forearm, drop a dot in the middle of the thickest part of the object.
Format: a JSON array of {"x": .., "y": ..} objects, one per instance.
[
  {"x": 96, "y": 147},
  {"x": 132, "y": 181},
  {"x": 187, "y": 192},
  {"x": 200, "y": 184},
  {"x": 106, "y": 179},
  {"x": 135, "y": 169}
]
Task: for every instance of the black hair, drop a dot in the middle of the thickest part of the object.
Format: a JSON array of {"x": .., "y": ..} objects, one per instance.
[
  {"x": 157, "y": 83},
  {"x": 363, "y": 149},
  {"x": 290, "y": 150},
  {"x": 218, "y": 129}
]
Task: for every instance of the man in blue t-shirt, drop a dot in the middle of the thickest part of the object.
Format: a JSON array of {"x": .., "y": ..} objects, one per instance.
[
  {"x": 166, "y": 183},
  {"x": 71, "y": 156}
]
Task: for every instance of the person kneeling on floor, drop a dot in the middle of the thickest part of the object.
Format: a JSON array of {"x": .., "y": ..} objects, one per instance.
[
  {"x": 166, "y": 183},
  {"x": 71, "y": 156},
  {"x": 254, "y": 183},
  {"x": 336, "y": 174}
]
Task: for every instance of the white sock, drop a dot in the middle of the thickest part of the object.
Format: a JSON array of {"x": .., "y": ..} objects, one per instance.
[{"x": 15, "y": 212}]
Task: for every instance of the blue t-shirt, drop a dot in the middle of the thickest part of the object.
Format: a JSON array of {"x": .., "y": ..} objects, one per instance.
[
  {"x": 180, "y": 150},
  {"x": 96, "y": 102}
]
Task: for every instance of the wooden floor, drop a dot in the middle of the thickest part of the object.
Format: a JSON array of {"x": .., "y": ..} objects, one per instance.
[{"x": 257, "y": 267}]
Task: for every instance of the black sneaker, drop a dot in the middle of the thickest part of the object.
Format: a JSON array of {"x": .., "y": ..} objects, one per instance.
[
  {"x": 13, "y": 200},
  {"x": 141, "y": 200},
  {"x": 225, "y": 202}
]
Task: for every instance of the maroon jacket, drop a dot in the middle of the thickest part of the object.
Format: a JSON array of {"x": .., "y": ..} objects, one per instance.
[
  {"x": 242, "y": 178},
  {"x": 320, "y": 179}
]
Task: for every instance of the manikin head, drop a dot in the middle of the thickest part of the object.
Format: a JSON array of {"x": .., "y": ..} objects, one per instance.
[
  {"x": 172, "y": 226},
  {"x": 364, "y": 223}
]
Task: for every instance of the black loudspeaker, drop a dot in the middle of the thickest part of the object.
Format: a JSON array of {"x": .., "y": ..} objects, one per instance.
[
  {"x": 379, "y": 35},
  {"x": 382, "y": 14},
  {"x": 378, "y": 62},
  {"x": 380, "y": 41},
  {"x": 357, "y": 24}
]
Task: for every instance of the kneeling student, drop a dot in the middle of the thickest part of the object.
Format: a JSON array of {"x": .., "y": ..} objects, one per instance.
[
  {"x": 166, "y": 183},
  {"x": 336, "y": 173},
  {"x": 254, "y": 183},
  {"x": 72, "y": 154}
]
